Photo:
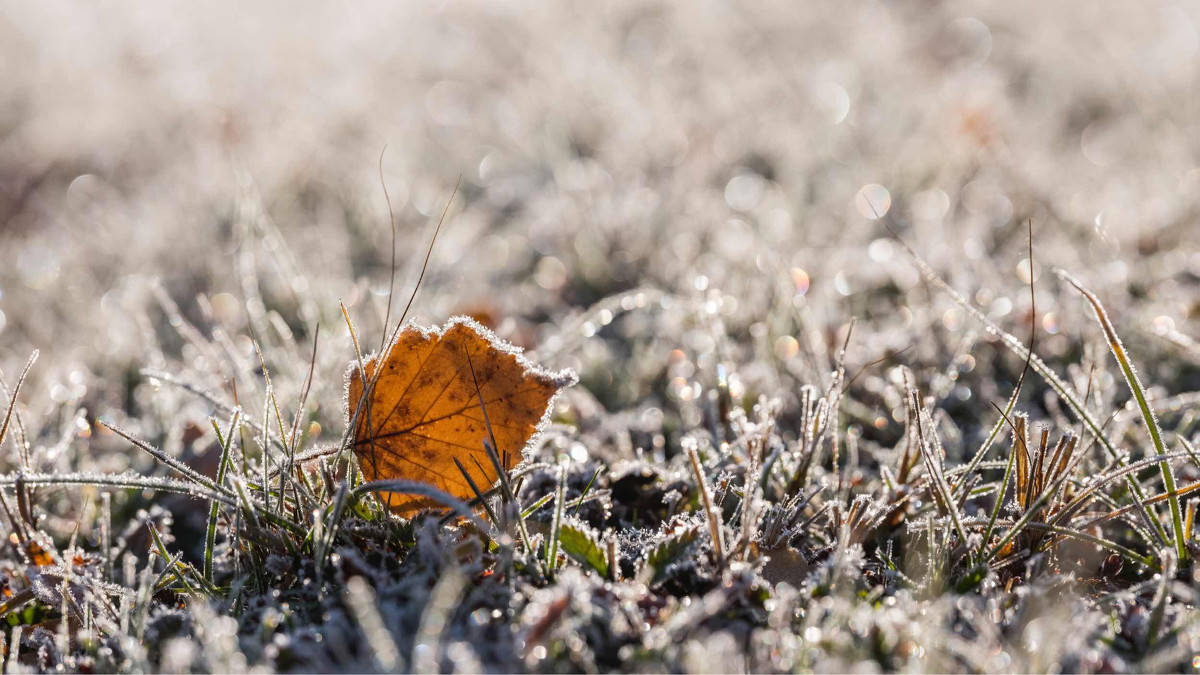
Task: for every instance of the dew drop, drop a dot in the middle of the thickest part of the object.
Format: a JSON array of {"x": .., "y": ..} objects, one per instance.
[
  {"x": 786, "y": 347},
  {"x": 744, "y": 191},
  {"x": 873, "y": 201}
]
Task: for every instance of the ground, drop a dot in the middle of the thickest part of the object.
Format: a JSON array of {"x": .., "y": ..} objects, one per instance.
[{"x": 786, "y": 248}]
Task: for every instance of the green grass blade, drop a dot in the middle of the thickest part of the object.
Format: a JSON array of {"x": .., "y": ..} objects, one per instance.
[
  {"x": 1012, "y": 456},
  {"x": 210, "y": 537},
  {"x": 1139, "y": 394},
  {"x": 556, "y": 524}
]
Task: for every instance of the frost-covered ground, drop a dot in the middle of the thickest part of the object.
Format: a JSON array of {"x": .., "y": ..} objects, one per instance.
[{"x": 689, "y": 205}]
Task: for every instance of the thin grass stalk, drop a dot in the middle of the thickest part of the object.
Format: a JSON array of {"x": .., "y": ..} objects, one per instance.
[
  {"x": 706, "y": 500},
  {"x": 1189, "y": 448},
  {"x": 587, "y": 488},
  {"x": 352, "y": 426},
  {"x": 537, "y": 504},
  {"x": 11, "y": 664},
  {"x": 1156, "y": 499},
  {"x": 210, "y": 536},
  {"x": 1161, "y": 595},
  {"x": 12, "y": 405},
  {"x": 169, "y": 560},
  {"x": 243, "y": 496},
  {"x": 991, "y": 438},
  {"x": 169, "y": 575},
  {"x": 295, "y": 432},
  {"x": 937, "y": 481},
  {"x": 331, "y": 530},
  {"x": 510, "y": 497},
  {"x": 266, "y": 455},
  {"x": 106, "y": 531},
  {"x": 125, "y": 481},
  {"x": 556, "y": 522},
  {"x": 487, "y": 507}
]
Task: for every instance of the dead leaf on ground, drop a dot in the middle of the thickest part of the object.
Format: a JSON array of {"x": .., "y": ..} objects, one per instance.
[{"x": 425, "y": 409}]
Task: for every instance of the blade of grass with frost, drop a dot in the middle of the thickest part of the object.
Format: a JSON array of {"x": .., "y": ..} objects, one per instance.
[
  {"x": 210, "y": 536},
  {"x": 1156, "y": 499},
  {"x": 1008, "y": 469},
  {"x": 362, "y": 403},
  {"x": 141, "y": 607},
  {"x": 1187, "y": 445},
  {"x": 539, "y": 503},
  {"x": 706, "y": 500},
  {"x": 1135, "y": 386},
  {"x": 129, "y": 481},
  {"x": 172, "y": 563},
  {"x": 295, "y": 432},
  {"x": 12, "y": 404},
  {"x": 266, "y": 455},
  {"x": 937, "y": 481},
  {"x": 991, "y": 438},
  {"x": 170, "y": 575},
  {"x": 14, "y": 650},
  {"x": 1061, "y": 388},
  {"x": 587, "y": 488},
  {"x": 106, "y": 531},
  {"x": 330, "y": 530},
  {"x": 751, "y": 501},
  {"x": 1159, "y": 604},
  {"x": 243, "y": 497},
  {"x": 556, "y": 522},
  {"x": 487, "y": 507}
]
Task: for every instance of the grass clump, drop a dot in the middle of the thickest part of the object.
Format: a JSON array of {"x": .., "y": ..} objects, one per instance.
[{"x": 761, "y": 524}]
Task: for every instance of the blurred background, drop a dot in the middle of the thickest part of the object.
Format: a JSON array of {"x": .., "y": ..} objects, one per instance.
[{"x": 658, "y": 195}]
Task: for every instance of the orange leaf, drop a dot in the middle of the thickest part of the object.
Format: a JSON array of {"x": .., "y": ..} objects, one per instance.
[{"x": 425, "y": 409}]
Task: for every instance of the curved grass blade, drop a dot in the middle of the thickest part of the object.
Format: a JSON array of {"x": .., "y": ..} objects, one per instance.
[
  {"x": 210, "y": 536},
  {"x": 1139, "y": 394}
]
